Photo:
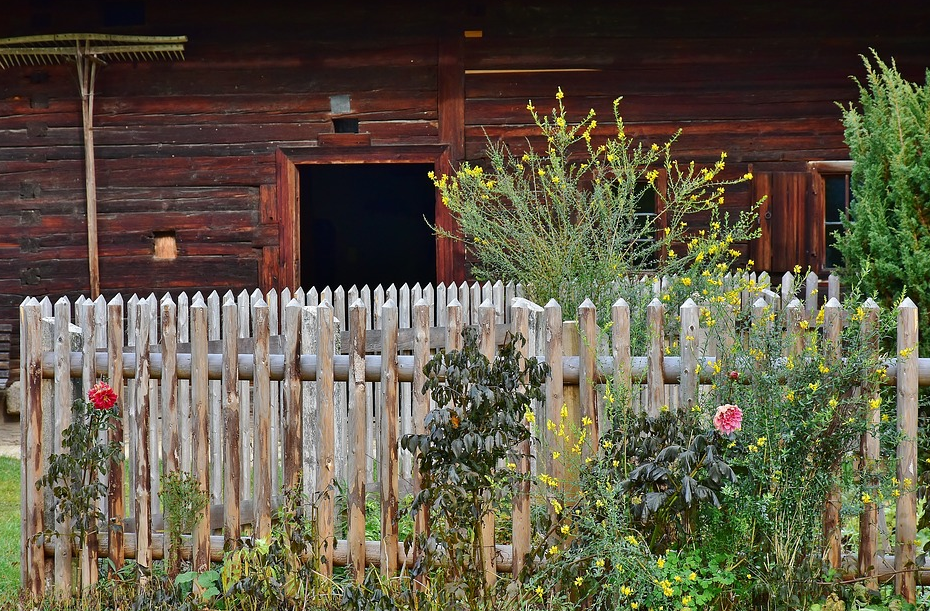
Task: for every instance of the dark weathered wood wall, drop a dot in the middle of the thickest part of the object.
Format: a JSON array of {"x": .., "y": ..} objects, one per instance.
[{"x": 190, "y": 146}]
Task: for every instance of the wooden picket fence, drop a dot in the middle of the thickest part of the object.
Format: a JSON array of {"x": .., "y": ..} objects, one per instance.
[{"x": 253, "y": 393}]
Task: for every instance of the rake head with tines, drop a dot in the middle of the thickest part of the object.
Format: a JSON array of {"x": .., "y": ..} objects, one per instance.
[{"x": 102, "y": 48}]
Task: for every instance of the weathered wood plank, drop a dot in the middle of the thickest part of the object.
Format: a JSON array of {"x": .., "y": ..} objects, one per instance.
[
  {"x": 116, "y": 502},
  {"x": 589, "y": 335},
  {"x": 139, "y": 430},
  {"x": 232, "y": 449},
  {"x": 326, "y": 437},
  {"x": 358, "y": 436},
  {"x": 63, "y": 419},
  {"x": 32, "y": 567},
  {"x": 521, "y": 527},
  {"x": 293, "y": 433},
  {"x": 200, "y": 426},
  {"x": 387, "y": 443},
  {"x": 870, "y": 455},
  {"x": 906, "y": 509},
  {"x": 262, "y": 403},
  {"x": 655, "y": 357}
]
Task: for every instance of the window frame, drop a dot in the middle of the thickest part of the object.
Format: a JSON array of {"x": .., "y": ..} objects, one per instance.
[{"x": 817, "y": 231}]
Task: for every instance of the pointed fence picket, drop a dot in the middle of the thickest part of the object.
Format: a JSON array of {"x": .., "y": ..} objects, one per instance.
[{"x": 255, "y": 392}]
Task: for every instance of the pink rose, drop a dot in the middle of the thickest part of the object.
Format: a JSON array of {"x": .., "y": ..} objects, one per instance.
[
  {"x": 729, "y": 418},
  {"x": 102, "y": 396}
]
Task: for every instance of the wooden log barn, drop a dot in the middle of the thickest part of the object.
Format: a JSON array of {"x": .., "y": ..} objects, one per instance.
[{"x": 291, "y": 143}]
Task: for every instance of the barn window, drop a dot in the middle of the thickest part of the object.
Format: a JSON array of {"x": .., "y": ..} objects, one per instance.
[{"x": 832, "y": 197}]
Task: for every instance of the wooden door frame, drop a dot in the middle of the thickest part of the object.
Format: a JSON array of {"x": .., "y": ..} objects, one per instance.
[{"x": 449, "y": 258}]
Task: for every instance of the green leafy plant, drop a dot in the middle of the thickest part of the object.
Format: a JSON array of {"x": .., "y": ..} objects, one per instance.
[
  {"x": 468, "y": 455},
  {"x": 566, "y": 221},
  {"x": 183, "y": 501},
  {"x": 74, "y": 476},
  {"x": 886, "y": 242},
  {"x": 279, "y": 572}
]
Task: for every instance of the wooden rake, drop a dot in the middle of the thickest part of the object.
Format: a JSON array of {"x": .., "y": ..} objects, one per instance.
[{"x": 87, "y": 51}]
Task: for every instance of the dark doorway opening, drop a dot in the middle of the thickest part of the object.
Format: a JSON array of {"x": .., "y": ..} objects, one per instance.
[{"x": 363, "y": 223}]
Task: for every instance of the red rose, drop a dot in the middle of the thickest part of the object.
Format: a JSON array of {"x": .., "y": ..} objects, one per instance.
[
  {"x": 102, "y": 396},
  {"x": 734, "y": 375}
]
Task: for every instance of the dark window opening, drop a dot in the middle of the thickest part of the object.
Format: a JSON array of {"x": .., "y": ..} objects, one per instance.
[
  {"x": 345, "y": 126},
  {"x": 366, "y": 224},
  {"x": 645, "y": 213},
  {"x": 837, "y": 198},
  {"x": 123, "y": 14}
]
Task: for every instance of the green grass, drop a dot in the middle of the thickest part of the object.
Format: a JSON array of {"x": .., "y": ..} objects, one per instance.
[{"x": 9, "y": 528}]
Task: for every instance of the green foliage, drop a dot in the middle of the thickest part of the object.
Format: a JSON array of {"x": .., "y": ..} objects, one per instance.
[
  {"x": 565, "y": 221},
  {"x": 467, "y": 457},
  {"x": 886, "y": 243},
  {"x": 675, "y": 468},
  {"x": 279, "y": 572},
  {"x": 802, "y": 418},
  {"x": 183, "y": 501},
  {"x": 74, "y": 475}
]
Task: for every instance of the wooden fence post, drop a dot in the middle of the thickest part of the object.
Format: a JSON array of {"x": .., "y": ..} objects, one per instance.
[
  {"x": 326, "y": 439},
  {"x": 621, "y": 350},
  {"x": 421, "y": 402},
  {"x": 116, "y": 504},
  {"x": 200, "y": 428},
  {"x": 387, "y": 445},
  {"x": 32, "y": 568},
  {"x": 906, "y": 511},
  {"x": 689, "y": 313},
  {"x": 833, "y": 536},
  {"x": 232, "y": 477},
  {"x": 139, "y": 429},
  {"x": 589, "y": 336},
  {"x": 655, "y": 377},
  {"x": 358, "y": 437},
  {"x": 487, "y": 345},
  {"x": 554, "y": 386},
  {"x": 521, "y": 531},
  {"x": 870, "y": 453},
  {"x": 292, "y": 425}
]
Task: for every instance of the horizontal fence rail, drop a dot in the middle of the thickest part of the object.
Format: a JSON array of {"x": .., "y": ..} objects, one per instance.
[{"x": 254, "y": 392}]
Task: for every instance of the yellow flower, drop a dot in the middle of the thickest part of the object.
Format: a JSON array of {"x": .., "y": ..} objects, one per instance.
[
  {"x": 557, "y": 506},
  {"x": 692, "y": 576},
  {"x": 686, "y": 281},
  {"x": 555, "y": 455},
  {"x": 530, "y": 416},
  {"x": 760, "y": 441},
  {"x": 797, "y": 269},
  {"x": 866, "y": 498},
  {"x": 565, "y": 529},
  {"x": 660, "y": 562},
  {"x": 750, "y": 263},
  {"x": 607, "y": 444},
  {"x": 686, "y": 600},
  {"x": 599, "y": 563},
  {"x": 552, "y": 551},
  {"x": 747, "y": 176},
  {"x": 632, "y": 540},
  {"x": 586, "y": 421},
  {"x": 578, "y": 581},
  {"x": 540, "y": 591},
  {"x": 559, "y": 95},
  {"x": 634, "y": 606},
  {"x": 626, "y": 590}
]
